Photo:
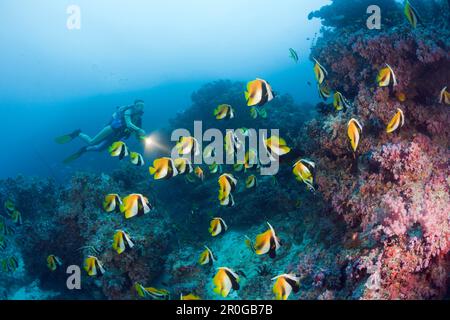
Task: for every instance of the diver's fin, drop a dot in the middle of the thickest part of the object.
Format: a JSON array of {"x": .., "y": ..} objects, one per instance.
[
  {"x": 75, "y": 156},
  {"x": 68, "y": 137}
]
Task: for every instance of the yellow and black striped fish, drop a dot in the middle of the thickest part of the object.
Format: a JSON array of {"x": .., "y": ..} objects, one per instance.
[
  {"x": 137, "y": 159},
  {"x": 207, "y": 257},
  {"x": 217, "y": 226},
  {"x": 284, "y": 285},
  {"x": 411, "y": 14},
  {"x": 354, "y": 131},
  {"x": 122, "y": 241},
  {"x": 53, "y": 262},
  {"x": 320, "y": 72},
  {"x": 112, "y": 203},
  {"x": 224, "y": 111},
  {"x": 225, "y": 280},
  {"x": 163, "y": 168},
  {"x": 135, "y": 205},
  {"x": 93, "y": 266},
  {"x": 118, "y": 149},
  {"x": 397, "y": 121}
]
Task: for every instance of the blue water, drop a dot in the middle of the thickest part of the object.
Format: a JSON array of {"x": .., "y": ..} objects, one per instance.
[{"x": 54, "y": 80}]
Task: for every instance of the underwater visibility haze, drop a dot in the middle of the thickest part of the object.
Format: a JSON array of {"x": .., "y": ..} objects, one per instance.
[{"x": 231, "y": 150}]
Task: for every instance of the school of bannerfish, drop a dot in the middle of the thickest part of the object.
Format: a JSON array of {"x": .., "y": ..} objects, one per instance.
[{"x": 259, "y": 93}]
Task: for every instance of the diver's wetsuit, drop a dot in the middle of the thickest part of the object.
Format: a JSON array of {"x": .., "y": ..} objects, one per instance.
[{"x": 119, "y": 128}]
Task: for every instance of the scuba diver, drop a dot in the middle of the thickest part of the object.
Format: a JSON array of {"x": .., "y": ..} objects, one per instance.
[{"x": 125, "y": 121}]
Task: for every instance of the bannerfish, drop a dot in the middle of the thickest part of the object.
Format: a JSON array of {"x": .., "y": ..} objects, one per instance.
[
  {"x": 214, "y": 168},
  {"x": 227, "y": 185},
  {"x": 93, "y": 266},
  {"x": 9, "y": 206},
  {"x": 135, "y": 205},
  {"x": 397, "y": 121},
  {"x": 53, "y": 262},
  {"x": 340, "y": 102},
  {"x": 189, "y": 296},
  {"x": 112, "y": 203},
  {"x": 253, "y": 112},
  {"x": 411, "y": 14},
  {"x": 263, "y": 113},
  {"x": 199, "y": 173},
  {"x": 386, "y": 77},
  {"x": 444, "y": 96},
  {"x": 217, "y": 226},
  {"x": 294, "y": 55},
  {"x": 136, "y": 159},
  {"x": 206, "y": 257},
  {"x": 118, "y": 149},
  {"x": 163, "y": 168},
  {"x": 320, "y": 72},
  {"x": 324, "y": 92},
  {"x": 16, "y": 217},
  {"x": 259, "y": 92},
  {"x": 267, "y": 243},
  {"x": 284, "y": 285},
  {"x": 251, "y": 182},
  {"x": 304, "y": 171},
  {"x": 183, "y": 166},
  {"x": 251, "y": 159},
  {"x": 276, "y": 145},
  {"x": 187, "y": 146},
  {"x": 225, "y": 280},
  {"x": 232, "y": 142},
  {"x": 156, "y": 294},
  {"x": 354, "y": 131},
  {"x": 122, "y": 241},
  {"x": 224, "y": 111}
]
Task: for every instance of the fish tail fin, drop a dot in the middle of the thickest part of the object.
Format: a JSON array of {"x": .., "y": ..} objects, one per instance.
[
  {"x": 247, "y": 95},
  {"x": 75, "y": 156},
  {"x": 152, "y": 170}
]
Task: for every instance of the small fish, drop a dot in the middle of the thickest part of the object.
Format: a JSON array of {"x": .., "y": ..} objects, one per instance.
[
  {"x": 183, "y": 166},
  {"x": 294, "y": 55},
  {"x": 156, "y": 294},
  {"x": 259, "y": 92},
  {"x": 227, "y": 185},
  {"x": 225, "y": 280},
  {"x": 190, "y": 296},
  {"x": 224, "y": 111},
  {"x": 444, "y": 96},
  {"x": 253, "y": 112},
  {"x": 263, "y": 113},
  {"x": 340, "y": 102},
  {"x": 411, "y": 14},
  {"x": 251, "y": 159},
  {"x": 206, "y": 257},
  {"x": 199, "y": 173},
  {"x": 401, "y": 96},
  {"x": 112, "y": 203},
  {"x": 232, "y": 142},
  {"x": 397, "y": 121},
  {"x": 214, "y": 168},
  {"x": 10, "y": 264},
  {"x": 136, "y": 159},
  {"x": 267, "y": 242},
  {"x": 320, "y": 72},
  {"x": 217, "y": 226},
  {"x": 284, "y": 285},
  {"x": 249, "y": 244},
  {"x": 238, "y": 167},
  {"x": 9, "y": 206},
  {"x": 251, "y": 182},
  {"x": 303, "y": 171},
  {"x": 163, "y": 168},
  {"x": 276, "y": 145},
  {"x": 354, "y": 131},
  {"x": 386, "y": 77},
  {"x": 16, "y": 217},
  {"x": 135, "y": 205},
  {"x": 118, "y": 149},
  {"x": 324, "y": 92},
  {"x": 93, "y": 266},
  {"x": 122, "y": 241},
  {"x": 53, "y": 262},
  {"x": 187, "y": 146}
]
